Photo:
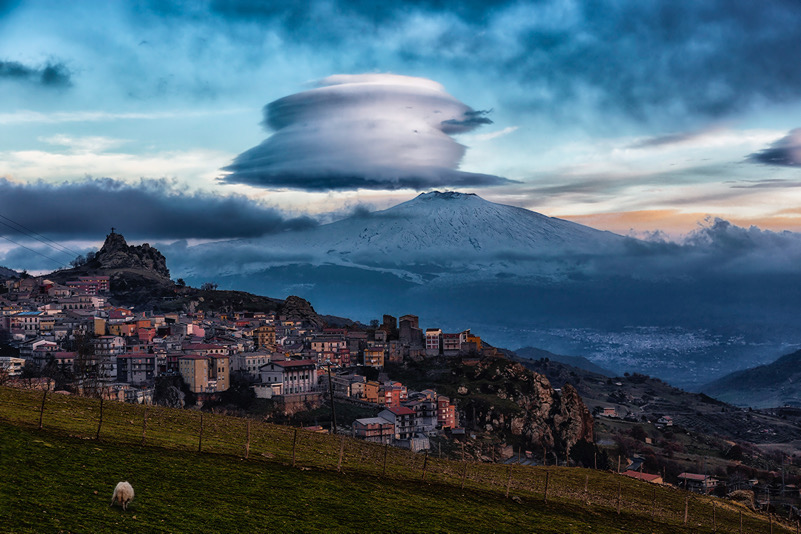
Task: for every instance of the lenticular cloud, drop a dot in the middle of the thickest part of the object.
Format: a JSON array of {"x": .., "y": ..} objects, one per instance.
[{"x": 369, "y": 131}]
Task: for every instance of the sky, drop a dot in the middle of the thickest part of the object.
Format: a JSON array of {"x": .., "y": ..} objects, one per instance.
[{"x": 232, "y": 119}]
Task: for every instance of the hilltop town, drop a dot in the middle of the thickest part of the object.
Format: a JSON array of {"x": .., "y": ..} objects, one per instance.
[
  {"x": 115, "y": 326},
  {"x": 71, "y": 336}
]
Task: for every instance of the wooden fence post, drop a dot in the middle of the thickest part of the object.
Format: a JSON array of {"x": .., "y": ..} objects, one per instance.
[
  {"x": 547, "y": 477},
  {"x": 653, "y": 506},
  {"x": 714, "y": 518},
  {"x": 294, "y": 446},
  {"x": 247, "y": 442},
  {"x": 200, "y": 436},
  {"x": 686, "y": 508},
  {"x": 41, "y": 410},
  {"x": 618, "y": 497},
  {"x": 618, "y": 464},
  {"x": 425, "y": 464},
  {"x": 144, "y": 426},
  {"x": 384, "y": 469},
  {"x": 341, "y": 453},
  {"x": 463, "y": 451},
  {"x": 586, "y": 485},
  {"x": 100, "y": 420},
  {"x": 741, "y": 522},
  {"x": 596, "y": 459}
]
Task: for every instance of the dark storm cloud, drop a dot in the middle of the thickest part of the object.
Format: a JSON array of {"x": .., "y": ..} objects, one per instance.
[
  {"x": 148, "y": 209},
  {"x": 51, "y": 75},
  {"x": 369, "y": 131},
  {"x": 651, "y": 61},
  {"x": 786, "y": 152}
]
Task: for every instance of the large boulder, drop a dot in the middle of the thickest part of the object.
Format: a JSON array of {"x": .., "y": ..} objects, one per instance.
[{"x": 523, "y": 403}]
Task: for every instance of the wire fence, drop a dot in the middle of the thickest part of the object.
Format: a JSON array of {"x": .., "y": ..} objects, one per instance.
[{"x": 207, "y": 433}]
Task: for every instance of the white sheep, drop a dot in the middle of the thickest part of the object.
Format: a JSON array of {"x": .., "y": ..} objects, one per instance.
[{"x": 123, "y": 494}]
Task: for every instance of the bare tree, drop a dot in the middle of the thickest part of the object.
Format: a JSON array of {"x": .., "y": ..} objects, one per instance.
[{"x": 86, "y": 366}]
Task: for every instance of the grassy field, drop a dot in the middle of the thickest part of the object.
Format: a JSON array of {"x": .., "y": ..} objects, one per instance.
[{"x": 60, "y": 479}]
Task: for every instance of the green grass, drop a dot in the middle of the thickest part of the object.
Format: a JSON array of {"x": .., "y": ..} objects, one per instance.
[{"x": 48, "y": 480}]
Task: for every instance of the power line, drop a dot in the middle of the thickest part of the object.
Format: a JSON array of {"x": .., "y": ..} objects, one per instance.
[
  {"x": 46, "y": 244},
  {"x": 34, "y": 251},
  {"x": 35, "y": 235}
]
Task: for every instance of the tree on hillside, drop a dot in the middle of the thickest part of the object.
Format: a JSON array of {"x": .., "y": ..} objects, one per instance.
[
  {"x": 168, "y": 391},
  {"x": 86, "y": 365}
]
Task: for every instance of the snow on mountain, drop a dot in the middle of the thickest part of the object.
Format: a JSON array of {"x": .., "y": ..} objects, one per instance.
[
  {"x": 434, "y": 232},
  {"x": 450, "y": 226}
]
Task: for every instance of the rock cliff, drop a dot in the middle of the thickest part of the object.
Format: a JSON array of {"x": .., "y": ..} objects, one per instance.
[
  {"x": 117, "y": 254},
  {"x": 298, "y": 309},
  {"x": 499, "y": 395}
]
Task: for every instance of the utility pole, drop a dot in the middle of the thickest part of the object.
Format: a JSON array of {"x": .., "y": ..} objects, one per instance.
[{"x": 331, "y": 393}]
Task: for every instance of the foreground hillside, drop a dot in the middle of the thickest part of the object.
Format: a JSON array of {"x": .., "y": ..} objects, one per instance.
[
  {"x": 59, "y": 484},
  {"x": 60, "y": 479}
]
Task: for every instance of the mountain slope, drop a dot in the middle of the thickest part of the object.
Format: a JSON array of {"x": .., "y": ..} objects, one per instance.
[
  {"x": 533, "y": 353},
  {"x": 765, "y": 386},
  {"x": 446, "y": 226},
  {"x": 432, "y": 233},
  {"x": 7, "y": 273}
]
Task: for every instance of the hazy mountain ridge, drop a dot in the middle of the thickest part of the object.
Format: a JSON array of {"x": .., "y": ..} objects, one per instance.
[
  {"x": 533, "y": 353},
  {"x": 5, "y": 272},
  {"x": 765, "y": 386}
]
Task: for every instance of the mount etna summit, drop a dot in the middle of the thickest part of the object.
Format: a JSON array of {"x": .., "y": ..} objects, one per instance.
[{"x": 701, "y": 308}]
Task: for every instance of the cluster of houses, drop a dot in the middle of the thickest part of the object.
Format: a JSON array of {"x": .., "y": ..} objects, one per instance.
[{"x": 73, "y": 329}]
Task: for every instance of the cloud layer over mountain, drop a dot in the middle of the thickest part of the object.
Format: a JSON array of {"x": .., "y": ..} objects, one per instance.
[
  {"x": 369, "y": 131},
  {"x": 151, "y": 209}
]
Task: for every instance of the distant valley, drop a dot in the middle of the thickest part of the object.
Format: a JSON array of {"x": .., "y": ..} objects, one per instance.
[{"x": 686, "y": 313}]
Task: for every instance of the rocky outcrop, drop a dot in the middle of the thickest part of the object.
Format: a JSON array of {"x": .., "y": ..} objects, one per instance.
[
  {"x": 506, "y": 397},
  {"x": 298, "y": 309},
  {"x": 117, "y": 254}
]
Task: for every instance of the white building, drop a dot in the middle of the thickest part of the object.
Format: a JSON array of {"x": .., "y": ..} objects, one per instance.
[
  {"x": 12, "y": 366},
  {"x": 250, "y": 362},
  {"x": 295, "y": 376}
]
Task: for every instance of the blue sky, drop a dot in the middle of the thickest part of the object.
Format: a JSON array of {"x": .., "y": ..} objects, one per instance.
[{"x": 624, "y": 115}]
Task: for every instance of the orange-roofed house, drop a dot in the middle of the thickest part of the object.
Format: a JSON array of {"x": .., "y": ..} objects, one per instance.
[{"x": 645, "y": 477}]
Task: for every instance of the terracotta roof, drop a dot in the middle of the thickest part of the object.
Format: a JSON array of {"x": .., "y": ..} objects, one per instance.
[{"x": 401, "y": 410}]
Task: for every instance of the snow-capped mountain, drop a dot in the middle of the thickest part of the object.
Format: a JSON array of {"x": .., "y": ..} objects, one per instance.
[
  {"x": 434, "y": 232},
  {"x": 449, "y": 227},
  {"x": 521, "y": 278}
]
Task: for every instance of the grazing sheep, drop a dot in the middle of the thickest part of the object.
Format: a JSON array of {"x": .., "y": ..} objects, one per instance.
[{"x": 123, "y": 494}]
